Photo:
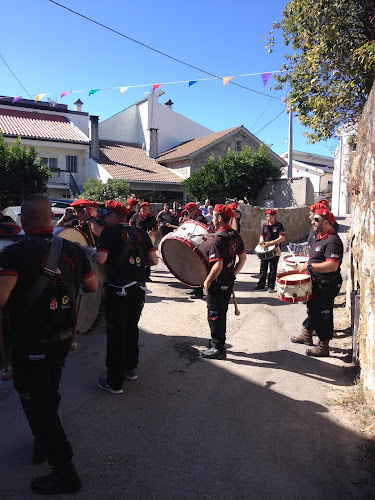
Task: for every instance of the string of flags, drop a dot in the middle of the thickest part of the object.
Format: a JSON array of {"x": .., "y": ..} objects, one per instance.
[
  {"x": 265, "y": 77},
  {"x": 316, "y": 169}
]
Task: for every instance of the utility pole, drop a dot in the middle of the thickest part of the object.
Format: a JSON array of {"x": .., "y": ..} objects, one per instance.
[{"x": 290, "y": 145}]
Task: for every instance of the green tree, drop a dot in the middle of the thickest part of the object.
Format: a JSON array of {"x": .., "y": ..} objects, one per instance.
[
  {"x": 237, "y": 175},
  {"x": 113, "y": 189},
  {"x": 331, "y": 68},
  {"x": 21, "y": 172}
]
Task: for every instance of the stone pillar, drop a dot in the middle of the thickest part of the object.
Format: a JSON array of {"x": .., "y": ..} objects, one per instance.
[{"x": 153, "y": 152}]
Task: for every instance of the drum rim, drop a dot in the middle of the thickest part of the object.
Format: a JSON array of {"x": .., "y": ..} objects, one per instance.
[
  {"x": 195, "y": 250},
  {"x": 269, "y": 249},
  {"x": 198, "y": 223},
  {"x": 57, "y": 231},
  {"x": 291, "y": 256},
  {"x": 280, "y": 276},
  {"x": 300, "y": 298}
]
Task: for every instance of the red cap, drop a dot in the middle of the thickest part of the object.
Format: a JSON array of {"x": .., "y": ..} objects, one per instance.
[
  {"x": 191, "y": 204},
  {"x": 316, "y": 206},
  {"x": 223, "y": 210},
  {"x": 132, "y": 201},
  {"x": 93, "y": 204},
  {"x": 233, "y": 206},
  {"x": 324, "y": 202},
  {"x": 326, "y": 214},
  {"x": 144, "y": 204},
  {"x": 81, "y": 203},
  {"x": 117, "y": 207},
  {"x": 271, "y": 211},
  {"x": 184, "y": 212}
]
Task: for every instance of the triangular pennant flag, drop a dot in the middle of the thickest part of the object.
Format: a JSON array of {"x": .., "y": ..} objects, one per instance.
[
  {"x": 265, "y": 78},
  {"x": 192, "y": 82},
  {"x": 17, "y": 99},
  {"x": 93, "y": 91},
  {"x": 154, "y": 87},
  {"x": 297, "y": 170},
  {"x": 65, "y": 93},
  {"x": 226, "y": 79},
  {"x": 39, "y": 97},
  {"x": 123, "y": 89},
  {"x": 307, "y": 170}
]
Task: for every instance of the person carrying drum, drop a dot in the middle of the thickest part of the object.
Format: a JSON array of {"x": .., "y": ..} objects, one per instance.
[
  {"x": 148, "y": 223},
  {"x": 132, "y": 207},
  {"x": 223, "y": 269},
  {"x": 126, "y": 250},
  {"x": 41, "y": 297},
  {"x": 272, "y": 234},
  {"x": 89, "y": 224},
  {"x": 324, "y": 267},
  {"x": 194, "y": 213}
]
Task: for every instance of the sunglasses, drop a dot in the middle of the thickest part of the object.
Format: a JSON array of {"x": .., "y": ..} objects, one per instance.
[{"x": 316, "y": 219}]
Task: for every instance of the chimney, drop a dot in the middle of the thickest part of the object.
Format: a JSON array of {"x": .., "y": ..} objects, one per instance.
[
  {"x": 153, "y": 151},
  {"x": 168, "y": 104},
  {"x": 78, "y": 105},
  {"x": 94, "y": 137}
]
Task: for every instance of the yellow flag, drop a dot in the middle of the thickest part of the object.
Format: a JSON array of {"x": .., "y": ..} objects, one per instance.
[
  {"x": 39, "y": 97},
  {"x": 226, "y": 79}
]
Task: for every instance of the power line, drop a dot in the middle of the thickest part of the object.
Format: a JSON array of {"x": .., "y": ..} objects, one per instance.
[
  {"x": 155, "y": 50},
  {"x": 7, "y": 65},
  {"x": 273, "y": 119}
]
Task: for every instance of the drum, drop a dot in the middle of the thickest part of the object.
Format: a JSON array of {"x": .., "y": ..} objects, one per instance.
[
  {"x": 71, "y": 234},
  {"x": 9, "y": 239},
  {"x": 294, "y": 287},
  {"x": 291, "y": 262},
  {"x": 266, "y": 253},
  {"x": 185, "y": 252}
]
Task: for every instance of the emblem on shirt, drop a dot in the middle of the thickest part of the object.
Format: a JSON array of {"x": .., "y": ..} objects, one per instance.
[
  {"x": 53, "y": 304},
  {"x": 131, "y": 260},
  {"x": 138, "y": 261},
  {"x": 318, "y": 248},
  {"x": 65, "y": 299},
  {"x": 274, "y": 229},
  {"x": 212, "y": 256},
  {"x": 334, "y": 256}
]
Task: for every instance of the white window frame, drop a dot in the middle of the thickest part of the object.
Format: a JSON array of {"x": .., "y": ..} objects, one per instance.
[
  {"x": 238, "y": 146},
  {"x": 50, "y": 162}
]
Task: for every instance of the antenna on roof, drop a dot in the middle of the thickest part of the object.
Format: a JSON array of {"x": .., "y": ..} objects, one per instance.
[{"x": 52, "y": 101}]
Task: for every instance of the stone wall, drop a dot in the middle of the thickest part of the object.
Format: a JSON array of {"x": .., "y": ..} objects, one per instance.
[{"x": 361, "y": 252}]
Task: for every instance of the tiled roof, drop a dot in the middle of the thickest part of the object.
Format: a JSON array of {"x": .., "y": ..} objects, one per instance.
[
  {"x": 132, "y": 163},
  {"x": 36, "y": 125},
  {"x": 189, "y": 147}
]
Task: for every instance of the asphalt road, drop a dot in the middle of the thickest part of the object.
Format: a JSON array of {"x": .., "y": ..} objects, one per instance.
[{"x": 258, "y": 425}]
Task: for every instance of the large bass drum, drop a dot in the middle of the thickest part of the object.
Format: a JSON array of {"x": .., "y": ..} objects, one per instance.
[{"x": 185, "y": 252}]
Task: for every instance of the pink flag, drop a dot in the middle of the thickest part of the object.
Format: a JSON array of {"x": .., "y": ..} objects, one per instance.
[
  {"x": 265, "y": 78},
  {"x": 65, "y": 93},
  {"x": 154, "y": 87},
  {"x": 226, "y": 79}
]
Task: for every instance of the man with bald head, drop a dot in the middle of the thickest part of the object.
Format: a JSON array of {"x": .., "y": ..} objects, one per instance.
[{"x": 42, "y": 316}]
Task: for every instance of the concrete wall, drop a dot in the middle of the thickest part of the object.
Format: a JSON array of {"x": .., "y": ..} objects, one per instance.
[
  {"x": 286, "y": 193},
  {"x": 344, "y": 156},
  {"x": 361, "y": 253}
]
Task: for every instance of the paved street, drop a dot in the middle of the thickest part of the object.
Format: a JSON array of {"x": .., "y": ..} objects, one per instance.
[{"x": 258, "y": 425}]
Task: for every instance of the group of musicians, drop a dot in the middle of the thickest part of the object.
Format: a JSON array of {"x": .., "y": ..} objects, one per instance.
[{"x": 42, "y": 312}]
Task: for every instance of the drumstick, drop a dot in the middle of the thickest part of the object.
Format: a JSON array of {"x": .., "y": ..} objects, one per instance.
[
  {"x": 172, "y": 225},
  {"x": 6, "y": 375},
  {"x": 237, "y": 312},
  {"x": 74, "y": 345}
]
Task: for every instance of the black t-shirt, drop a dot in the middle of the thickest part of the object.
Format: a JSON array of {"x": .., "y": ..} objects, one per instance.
[
  {"x": 325, "y": 248},
  {"x": 312, "y": 237},
  {"x": 147, "y": 223},
  {"x": 272, "y": 232},
  {"x": 54, "y": 311},
  {"x": 225, "y": 246},
  {"x": 122, "y": 268},
  {"x": 201, "y": 218}
]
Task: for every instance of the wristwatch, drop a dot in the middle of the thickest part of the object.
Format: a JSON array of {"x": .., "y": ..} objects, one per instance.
[{"x": 309, "y": 267}]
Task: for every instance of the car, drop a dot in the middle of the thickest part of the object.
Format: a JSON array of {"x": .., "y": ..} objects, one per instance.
[
  {"x": 62, "y": 203},
  {"x": 14, "y": 212}
]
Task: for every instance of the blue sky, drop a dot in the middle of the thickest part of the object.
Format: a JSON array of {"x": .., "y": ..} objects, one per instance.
[{"x": 52, "y": 50}]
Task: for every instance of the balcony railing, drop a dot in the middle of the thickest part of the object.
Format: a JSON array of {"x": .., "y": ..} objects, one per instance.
[{"x": 65, "y": 178}]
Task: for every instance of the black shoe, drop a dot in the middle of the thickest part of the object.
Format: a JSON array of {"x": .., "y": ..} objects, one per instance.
[
  {"x": 214, "y": 353},
  {"x": 196, "y": 296},
  {"x": 102, "y": 384},
  {"x": 61, "y": 480},
  {"x": 259, "y": 287},
  {"x": 148, "y": 279},
  {"x": 39, "y": 456}
]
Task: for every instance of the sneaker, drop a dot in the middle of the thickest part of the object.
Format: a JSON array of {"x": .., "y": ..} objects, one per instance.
[
  {"x": 270, "y": 289},
  {"x": 259, "y": 287},
  {"x": 131, "y": 375},
  {"x": 214, "y": 353},
  {"x": 102, "y": 384}
]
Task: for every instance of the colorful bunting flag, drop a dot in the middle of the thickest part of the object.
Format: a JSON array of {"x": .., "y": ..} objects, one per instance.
[
  {"x": 226, "y": 79},
  {"x": 123, "y": 89},
  {"x": 265, "y": 78},
  {"x": 17, "y": 99},
  {"x": 93, "y": 91},
  {"x": 297, "y": 170},
  {"x": 65, "y": 93},
  {"x": 307, "y": 170},
  {"x": 192, "y": 82},
  {"x": 39, "y": 97},
  {"x": 156, "y": 86}
]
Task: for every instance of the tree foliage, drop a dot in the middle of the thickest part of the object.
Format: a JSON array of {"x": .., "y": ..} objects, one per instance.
[
  {"x": 331, "y": 68},
  {"x": 21, "y": 172},
  {"x": 237, "y": 175},
  {"x": 113, "y": 189}
]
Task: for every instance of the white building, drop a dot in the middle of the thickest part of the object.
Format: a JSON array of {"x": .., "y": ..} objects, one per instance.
[{"x": 341, "y": 201}]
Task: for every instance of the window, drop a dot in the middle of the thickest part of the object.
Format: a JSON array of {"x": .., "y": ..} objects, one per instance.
[
  {"x": 329, "y": 188},
  {"x": 50, "y": 162},
  {"x": 238, "y": 146},
  {"x": 71, "y": 164}
]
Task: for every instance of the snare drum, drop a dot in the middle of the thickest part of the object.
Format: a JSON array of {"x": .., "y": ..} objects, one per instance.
[
  {"x": 294, "y": 287},
  {"x": 266, "y": 253},
  {"x": 291, "y": 262},
  {"x": 185, "y": 252}
]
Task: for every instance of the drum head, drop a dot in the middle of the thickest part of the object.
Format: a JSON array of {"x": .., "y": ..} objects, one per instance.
[
  {"x": 71, "y": 234},
  {"x": 186, "y": 265}
]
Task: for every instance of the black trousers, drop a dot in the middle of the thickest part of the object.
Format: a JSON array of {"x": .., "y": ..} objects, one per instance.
[
  {"x": 272, "y": 274},
  {"x": 122, "y": 315},
  {"x": 217, "y": 306},
  {"x": 36, "y": 374},
  {"x": 320, "y": 308}
]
